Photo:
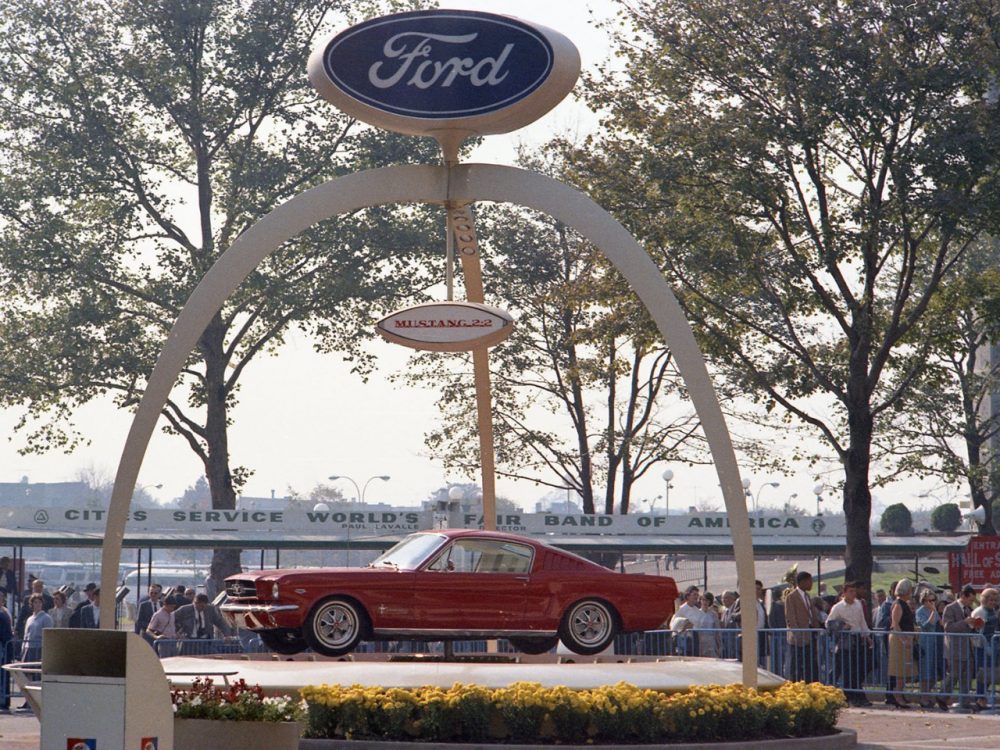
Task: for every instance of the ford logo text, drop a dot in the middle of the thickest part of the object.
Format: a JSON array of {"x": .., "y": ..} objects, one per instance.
[{"x": 425, "y": 71}]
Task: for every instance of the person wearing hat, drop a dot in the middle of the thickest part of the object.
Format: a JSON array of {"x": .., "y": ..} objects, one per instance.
[{"x": 88, "y": 590}]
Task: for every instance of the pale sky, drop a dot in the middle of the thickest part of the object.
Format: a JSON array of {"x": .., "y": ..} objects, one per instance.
[{"x": 303, "y": 416}]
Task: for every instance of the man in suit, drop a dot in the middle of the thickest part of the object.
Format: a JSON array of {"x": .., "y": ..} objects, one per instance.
[
  {"x": 729, "y": 624},
  {"x": 147, "y": 608},
  {"x": 90, "y": 614},
  {"x": 88, "y": 590},
  {"x": 958, "y": 624},
  {"x": 199, "y": 620},
  {"x": 802, "y": 621}
]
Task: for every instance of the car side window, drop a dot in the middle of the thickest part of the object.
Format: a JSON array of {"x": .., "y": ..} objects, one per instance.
[{"x": 483, "y": 556}]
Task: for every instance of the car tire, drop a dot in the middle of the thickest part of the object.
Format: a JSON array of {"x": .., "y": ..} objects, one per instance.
[
  {"x": 588, "y": 627},
  {"x": 284, "y": 641},
  {"x": 534, "y": 645},
  {"x": 335, "y": 626}
]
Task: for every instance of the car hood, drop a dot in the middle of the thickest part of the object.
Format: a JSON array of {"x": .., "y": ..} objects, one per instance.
[{"x": 257, "y": 575}]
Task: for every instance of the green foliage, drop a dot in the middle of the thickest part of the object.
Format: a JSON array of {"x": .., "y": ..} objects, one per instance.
[
  {"x": 896, "y": 519},
  {"x": 946, "y": 518},
  {"x": 807, "y": 174},
  {"x": 138, "y": 140},
  {"x": 946, "y": 420},
  {"x": 584, "y": 360}
]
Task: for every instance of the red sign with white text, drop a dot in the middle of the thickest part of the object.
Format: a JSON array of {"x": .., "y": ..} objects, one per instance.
[{"x": 978, "y": 565}]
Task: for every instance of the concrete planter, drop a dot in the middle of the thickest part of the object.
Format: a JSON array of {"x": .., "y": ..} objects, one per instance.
[
  {"x": 842, "y": 739},
  {"x": 209, "y": 734}
]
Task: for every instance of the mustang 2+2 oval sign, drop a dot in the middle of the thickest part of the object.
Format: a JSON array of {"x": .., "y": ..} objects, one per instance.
[
  {"x": 427, "y": 72},
  {"x": 447, "y": 326}
]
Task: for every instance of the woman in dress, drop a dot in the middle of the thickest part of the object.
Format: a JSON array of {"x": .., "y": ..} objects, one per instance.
[
  {"x": 60, "y": 613},
  {"x": 929, "y": 622},
  {"x": 31, "y": 649},
  {"x": 901, "y": 629},
  {"x": 707, "y": 627}
]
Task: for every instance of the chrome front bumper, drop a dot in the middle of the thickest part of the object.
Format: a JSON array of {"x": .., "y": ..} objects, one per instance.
[{"x": 256, "y": 616}]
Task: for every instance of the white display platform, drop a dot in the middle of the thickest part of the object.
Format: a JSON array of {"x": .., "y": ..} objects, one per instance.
[{"x": 671, "y": 673}]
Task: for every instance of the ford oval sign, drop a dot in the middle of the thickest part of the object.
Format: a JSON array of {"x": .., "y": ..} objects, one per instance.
[
  {"x": 447, "y": 326},
  {"x": 436, "y": 72}
]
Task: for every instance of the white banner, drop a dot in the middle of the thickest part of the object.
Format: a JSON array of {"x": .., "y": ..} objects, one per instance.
[
  {"x": 695, "y": 524},
  {"x": 342, "y": 522}
]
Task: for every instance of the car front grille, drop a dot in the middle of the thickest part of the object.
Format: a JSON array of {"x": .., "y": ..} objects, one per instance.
[{"x": 238, "y": 589}]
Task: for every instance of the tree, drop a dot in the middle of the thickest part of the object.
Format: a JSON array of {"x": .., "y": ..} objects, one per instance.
[
  {"x": 580, "y": 387},
  {"x": 197, "y": 496},
  {"x": 138, "y": 140},
  {"x": 807, "y": 172},
  {"x": 946, "y": 518},
  {"x": 896, "y": 519},
  {"x": 947, "y": 425}
]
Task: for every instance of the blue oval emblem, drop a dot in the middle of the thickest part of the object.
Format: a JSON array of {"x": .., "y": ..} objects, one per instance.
[{"x": 439, "y": 65}]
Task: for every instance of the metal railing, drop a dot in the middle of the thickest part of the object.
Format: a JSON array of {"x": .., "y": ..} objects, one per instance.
[
  {"x": 954, "y": 669},
  {"x": 932, "y": 668}
]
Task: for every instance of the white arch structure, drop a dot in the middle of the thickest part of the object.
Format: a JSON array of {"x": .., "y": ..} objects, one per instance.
[{"x": 462, "y": 183}]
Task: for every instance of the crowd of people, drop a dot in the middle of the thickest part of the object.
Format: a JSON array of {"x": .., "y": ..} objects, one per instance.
[
  {"x": 913, "y": 635},
  {"x": 179, "y": 614},
  {"x": 175, "y": 615}
]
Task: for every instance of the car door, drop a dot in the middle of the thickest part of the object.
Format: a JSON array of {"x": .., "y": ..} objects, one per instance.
[{"x": 474, "y": 585}]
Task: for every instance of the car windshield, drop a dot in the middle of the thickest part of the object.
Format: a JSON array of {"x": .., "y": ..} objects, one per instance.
[{"x": 410, "y": 552}]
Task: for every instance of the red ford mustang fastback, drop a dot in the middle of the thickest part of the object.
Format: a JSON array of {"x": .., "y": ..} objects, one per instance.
[{"x": 451, "y": 585}]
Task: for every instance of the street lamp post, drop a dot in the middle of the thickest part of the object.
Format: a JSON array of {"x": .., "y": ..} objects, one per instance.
[
  {"x": 667, "y": 476},
  {"x": 360, "y": 490},
  {"x": 756, "y": 502},
  {"x": 818, "y": 492}
]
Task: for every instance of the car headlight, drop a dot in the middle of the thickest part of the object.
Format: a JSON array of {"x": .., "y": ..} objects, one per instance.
[{"x": 274, "y": 590}]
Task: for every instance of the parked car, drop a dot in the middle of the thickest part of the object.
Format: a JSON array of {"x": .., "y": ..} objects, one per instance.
[{"x": 450, "y": 585}]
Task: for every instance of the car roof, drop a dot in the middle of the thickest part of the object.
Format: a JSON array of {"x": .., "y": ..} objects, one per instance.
[
  {"x": 507, "y": 536},
  {"x": 454, "y": 533}
]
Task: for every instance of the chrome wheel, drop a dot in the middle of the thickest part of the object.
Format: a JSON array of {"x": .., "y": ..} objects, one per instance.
[
  {"x": 335, "y": 627},
  {"x": 588, "y": 627}
]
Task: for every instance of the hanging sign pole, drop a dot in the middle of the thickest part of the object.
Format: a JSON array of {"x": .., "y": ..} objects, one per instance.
[{"x": 464, "y": 228}]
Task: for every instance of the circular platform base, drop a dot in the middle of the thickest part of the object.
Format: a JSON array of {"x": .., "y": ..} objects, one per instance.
[{"x": 671, "y": 673}]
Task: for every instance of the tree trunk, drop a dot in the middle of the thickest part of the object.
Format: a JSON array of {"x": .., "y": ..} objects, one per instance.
[
  {"x": 610, "y": 450},
  {"x": 225, "y": 561},
  {"x": 974, "y": 452},
  {"x": 857, "y": 497}
]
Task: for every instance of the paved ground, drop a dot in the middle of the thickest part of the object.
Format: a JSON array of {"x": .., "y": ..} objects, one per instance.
[
  {"x": 892, "y": 729},
  {"x": 878, "y": 729}
]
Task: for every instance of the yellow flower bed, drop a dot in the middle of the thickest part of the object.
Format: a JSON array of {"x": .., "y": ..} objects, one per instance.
[{"x": 528, "y": 712}]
